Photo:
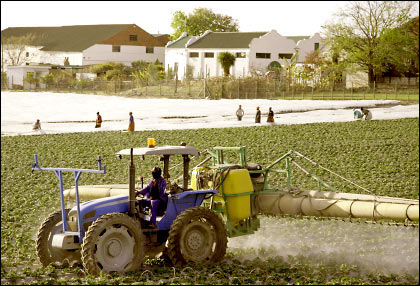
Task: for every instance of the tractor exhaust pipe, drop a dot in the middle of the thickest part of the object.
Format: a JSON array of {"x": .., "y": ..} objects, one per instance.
[{"x": 131, "y": 186}]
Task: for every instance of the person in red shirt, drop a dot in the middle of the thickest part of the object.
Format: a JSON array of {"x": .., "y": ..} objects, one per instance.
[{"x": 98, "y": 120}]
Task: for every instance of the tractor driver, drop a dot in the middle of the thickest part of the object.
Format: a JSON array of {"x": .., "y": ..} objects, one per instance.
[{"x": 156, "y": 198}]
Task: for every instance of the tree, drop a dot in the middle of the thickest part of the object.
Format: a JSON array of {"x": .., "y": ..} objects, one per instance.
[
  {"x": 13, "y": 48},
  {"x": 368, "y": 34},
  {"x": 47, "y": 79},
  {"x": 199, "y": 21},
  {"x": 227, "y": 60},
  {"x": 30, "y": 79}
]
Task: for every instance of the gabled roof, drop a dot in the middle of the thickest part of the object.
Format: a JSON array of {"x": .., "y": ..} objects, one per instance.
[
  {"x": 298, "y": 38},
  {"x": 224, "y": 40},
  {"x": 164, "y": 38},
  {"x": 181, "y": 43},
  {"x": 69, "y": 38}
]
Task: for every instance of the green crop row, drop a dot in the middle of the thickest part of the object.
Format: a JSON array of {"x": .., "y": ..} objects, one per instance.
[{"x": 381, "y": 156}]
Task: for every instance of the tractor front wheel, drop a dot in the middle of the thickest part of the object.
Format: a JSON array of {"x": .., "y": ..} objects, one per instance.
[
  {"x": 197, "y": 235},
  {"x": 113, "y": 243},
  {"x": 46, "y": 253}
]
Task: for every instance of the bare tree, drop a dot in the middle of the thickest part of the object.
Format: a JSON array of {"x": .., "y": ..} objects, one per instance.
[{"x": 14, "y": 49}]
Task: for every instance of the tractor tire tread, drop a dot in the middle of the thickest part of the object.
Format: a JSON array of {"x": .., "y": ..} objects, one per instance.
[
  {"x": 42, "y": 237},
  {"x": 91, "y": 235},
  {"x": 173, "y": 249}
]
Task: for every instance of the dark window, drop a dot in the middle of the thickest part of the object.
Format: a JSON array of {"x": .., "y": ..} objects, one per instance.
[
  {"x": 116, "y": 49},
  {"x": 263, "y": 55},
  {"x": 240, "y": 55},
  {"x": 286, "y": 56},
  {"x": 149, "y": 50},
  {"x": 193, "y": 55},
  {"x": 316, "y": 46},
  {"x": 209, "y": 55},
  {"x": 133, "y": 37},
  {"x": 27, "y": 54}
]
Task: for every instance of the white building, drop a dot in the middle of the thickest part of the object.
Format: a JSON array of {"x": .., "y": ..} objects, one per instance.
[
  {"x": 254, "y": 52},
  {"x": 86, "y": 45},
  {"x": 16, "y": 75}
]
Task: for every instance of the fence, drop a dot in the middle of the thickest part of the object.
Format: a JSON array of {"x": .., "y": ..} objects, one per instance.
[{"x": 244, "y": 88}]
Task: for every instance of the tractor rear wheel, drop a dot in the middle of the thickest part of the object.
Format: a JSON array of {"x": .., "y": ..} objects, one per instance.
[
  {"x": 113, "y": 243},
  {"x": 46, "y": 253},
  {"x": 197, "y": 235}
]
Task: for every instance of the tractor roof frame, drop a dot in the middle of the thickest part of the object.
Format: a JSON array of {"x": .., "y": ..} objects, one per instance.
[
  {"x": 166, "y": 151},
  {"x": 161, "y": 150}
]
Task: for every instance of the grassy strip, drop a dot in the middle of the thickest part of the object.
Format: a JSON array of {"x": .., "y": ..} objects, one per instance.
[{"x": 382, "y": 156}]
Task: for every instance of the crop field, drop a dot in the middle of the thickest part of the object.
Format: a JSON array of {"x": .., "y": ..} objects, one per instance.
[{"x": 382, "y": 156}]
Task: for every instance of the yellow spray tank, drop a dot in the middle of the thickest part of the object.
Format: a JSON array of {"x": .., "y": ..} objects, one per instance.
[
  {"x": 269, "y": 200},
  {"x": 243, "y": 192}
]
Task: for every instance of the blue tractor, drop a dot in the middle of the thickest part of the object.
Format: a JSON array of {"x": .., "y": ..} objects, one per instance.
[{"x": 114, "y": 234}]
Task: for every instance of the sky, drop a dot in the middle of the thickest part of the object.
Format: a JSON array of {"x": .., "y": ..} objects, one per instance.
[
  {"x": 67, "y": 112},
  {"x": 289, "y": 18}
]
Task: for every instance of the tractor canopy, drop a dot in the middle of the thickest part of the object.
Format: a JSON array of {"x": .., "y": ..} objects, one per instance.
[{"x": 161, "y": 150}]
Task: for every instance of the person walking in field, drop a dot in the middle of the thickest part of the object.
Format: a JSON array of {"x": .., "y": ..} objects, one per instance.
[
  {"x": 131, "y": 123},
  {"x": 366, "y": 114},
  {"x": 258, "y": 115},
  {"x": 270, "y": 117},
  {"x": 37, "y": 125},
  {"x": 98, "y": 120},
  {"x": 240, "y": 113}
]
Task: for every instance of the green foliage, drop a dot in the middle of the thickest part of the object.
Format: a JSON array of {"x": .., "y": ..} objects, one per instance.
[
  {"x": 368, "y": 34},
  {"x": 226, "y": 60},
  {"x": 47, "y": 79},
  {"x": 382, "y": 156},
  {"x": 62, "y": 76},
  {"x": 201, "y": 20},
  {"x": 30, "y": 78}
]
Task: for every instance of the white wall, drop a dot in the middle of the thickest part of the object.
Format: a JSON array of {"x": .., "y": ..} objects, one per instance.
[
  {"x": 178, "y": 56},
  {"x": 17, "y": 74},
  {"x": 200, "y": 64},
  {"x": 307, "y": 46},
  {"x": 57, "y": 58},
  {"x": 357, "y": 78},
  {"x": 34, "y": 54},
  {"x": 46, "y": 57},
  {"x": 272, "y": 43},
  {"x": 99, "y": 54}
]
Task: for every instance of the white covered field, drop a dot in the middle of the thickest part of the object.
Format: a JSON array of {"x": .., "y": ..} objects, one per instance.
[{"x": 65, "y": 112}]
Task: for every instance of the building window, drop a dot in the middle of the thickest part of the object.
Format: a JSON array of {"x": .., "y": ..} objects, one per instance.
[
  {"x": 116, "y": 49},
  {"x": 285, "y": 56},
  {"x": 150, "y": 50},
  {"x": 27, "y": 54},
  {"x": 316, "y": 46},
  {"x": 209, "y": 55},
  {"x": 193, "y": 55},
  {"x": 263, "y": 55},
  {"x": 240, "y": 55},
  {"x": 133, "y": 37}
]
